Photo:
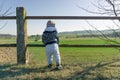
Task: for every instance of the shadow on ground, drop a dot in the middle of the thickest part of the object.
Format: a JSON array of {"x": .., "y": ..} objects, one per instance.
[
  {"x": 80, "y": 75},
  {"x": 12, "y": 70}
]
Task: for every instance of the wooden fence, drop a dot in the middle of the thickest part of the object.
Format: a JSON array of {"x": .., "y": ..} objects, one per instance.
[
  {"x": 66, "y": 45},
  {"x": 22, "y": 38}
]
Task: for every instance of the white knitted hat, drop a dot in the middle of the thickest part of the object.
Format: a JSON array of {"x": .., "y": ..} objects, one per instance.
[{"x": 50, "y": 23}]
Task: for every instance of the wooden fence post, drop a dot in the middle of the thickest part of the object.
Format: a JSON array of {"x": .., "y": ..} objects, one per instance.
[{"x": 22, "y": 38}]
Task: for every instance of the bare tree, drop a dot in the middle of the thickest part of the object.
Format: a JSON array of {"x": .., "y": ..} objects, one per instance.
[
  {"x": 106, "y": 7},
  {"x": 4, "y": 12}
]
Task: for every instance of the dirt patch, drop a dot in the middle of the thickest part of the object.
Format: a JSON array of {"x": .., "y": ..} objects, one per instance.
[{"x": 8, "y": 55}]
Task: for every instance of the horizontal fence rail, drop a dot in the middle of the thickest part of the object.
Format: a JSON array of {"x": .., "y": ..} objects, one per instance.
[
  {"x": 8, "y": 45},
  {"x": 64, "y": 17},
  {"x": 72, "y": 17},
  {"x": 7, "y": 17},
  {"x": 63, "y": 45}
]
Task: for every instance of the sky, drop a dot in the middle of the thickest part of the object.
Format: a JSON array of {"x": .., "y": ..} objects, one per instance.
[{"x": 50, "y": 8}]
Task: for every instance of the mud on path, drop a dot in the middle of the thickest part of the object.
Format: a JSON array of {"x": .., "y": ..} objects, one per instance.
[{"x": 8, "y": 55}]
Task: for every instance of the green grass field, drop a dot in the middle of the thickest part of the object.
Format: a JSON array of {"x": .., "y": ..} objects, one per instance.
[{"x": 78, "y": 63}]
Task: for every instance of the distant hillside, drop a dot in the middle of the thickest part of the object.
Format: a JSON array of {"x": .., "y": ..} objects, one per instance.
[
  {"x": 82, "y": 33},
  {"x": 6, "y": 36},
  {"x": 88, "y": 33}
]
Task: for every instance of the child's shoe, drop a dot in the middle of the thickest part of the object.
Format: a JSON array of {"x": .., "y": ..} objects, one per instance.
[
  {"x": 50, "y": 66},
  {"x": 59, "y": 67}
]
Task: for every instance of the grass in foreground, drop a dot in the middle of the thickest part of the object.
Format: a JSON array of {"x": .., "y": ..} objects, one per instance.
[{"x": 78, "y": 63}]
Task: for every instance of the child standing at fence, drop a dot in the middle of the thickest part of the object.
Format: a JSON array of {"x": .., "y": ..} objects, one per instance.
[{"x": 51, "y": 41}]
